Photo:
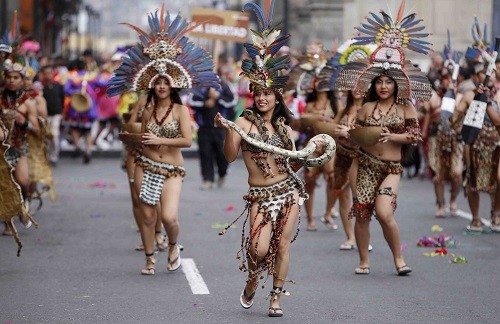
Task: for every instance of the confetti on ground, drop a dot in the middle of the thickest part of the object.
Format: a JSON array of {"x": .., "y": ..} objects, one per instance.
[
  {"x": 199, "y": 213},
  {"x": 102, "y": 184},
  {"x": 436, "y": 228},
  {"x": 403, "y": 247},
  {"x": 459, "y": 259},
  {"x": 442, "y": 240},
  {"x": 230, "y": 208}
]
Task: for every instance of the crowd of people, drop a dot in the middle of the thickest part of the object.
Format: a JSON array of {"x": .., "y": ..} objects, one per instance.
[{"x": 383, "y": 112}]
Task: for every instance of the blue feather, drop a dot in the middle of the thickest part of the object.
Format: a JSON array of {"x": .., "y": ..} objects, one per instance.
[
  {"x": 375, "y": 24},
  {"x": 365, "y": 31},
  {"x": 269, "y": 16},
  {"x": 370, "y": 27},
  {"x": 407, "y": 20},
  {"x": 413, "y": 23},
  {"x": 387, "y": 18},
  {"x": 378, "y": 19},
  {"x": 258, "y": 12},
  {"x": 416, "y": 29}
]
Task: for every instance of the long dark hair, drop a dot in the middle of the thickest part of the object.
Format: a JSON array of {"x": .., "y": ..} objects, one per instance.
[
  {"x": 372, "y": 92},
  {"x": 153, "y": 98},
  {"x": 313, "y": 96},
  {"x": 280, "y": 110},
  {"x": 349, "y": 103}
]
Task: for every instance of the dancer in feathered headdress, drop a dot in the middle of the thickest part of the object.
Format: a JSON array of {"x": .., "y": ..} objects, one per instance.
[
  {"x": 478, "y": 132},
  {"x": 392, "y": 36},
  {"x": 163, "y": 62},
  {"x": 17, "y": 118},
  {"x": 275, "y": 191},
  {"x": 386, "y": 122}
]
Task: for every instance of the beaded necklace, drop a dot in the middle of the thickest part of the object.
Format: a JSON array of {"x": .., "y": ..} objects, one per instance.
[
  {"x": 9, "y": 102},
  {"x": 381, "y": 114},
  {"x": 160, "y": 122}
]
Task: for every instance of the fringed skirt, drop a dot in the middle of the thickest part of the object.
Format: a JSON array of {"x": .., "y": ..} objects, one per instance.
[
  {"x": 154, "y": 177},
  {"x": 445, "y": 155},
  {"x": 274, "y": 203},
  {"x": 481, "y": 173}
]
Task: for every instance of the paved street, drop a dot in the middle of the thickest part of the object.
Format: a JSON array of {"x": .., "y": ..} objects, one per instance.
[{"x": 80, "y": 266}]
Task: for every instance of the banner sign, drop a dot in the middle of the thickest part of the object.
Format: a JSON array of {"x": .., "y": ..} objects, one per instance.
[{"x": 220, "y": 24}]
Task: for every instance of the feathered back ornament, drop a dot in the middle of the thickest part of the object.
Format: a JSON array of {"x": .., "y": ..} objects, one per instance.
[
  {"x": 164, "y": 51},
  {"x": 473, "y": 54},
  {"x": 263, "y": 69},
  {"x": 392, "y": 36},
  {"x": 348, "y": 53},
  {"x": 451, "y": 57},
  {"x": 14, "y": 62}
]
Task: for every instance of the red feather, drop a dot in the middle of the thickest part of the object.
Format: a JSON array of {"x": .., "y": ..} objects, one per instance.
[
  {"x": 162, "y": 20},
  {"x": 401, "y": 11}
]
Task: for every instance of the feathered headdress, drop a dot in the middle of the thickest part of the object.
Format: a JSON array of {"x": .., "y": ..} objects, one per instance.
[
  {"x": 263, "y": 69},
  {"x": 347, "y": 53},
  {"x": 473, "y": 54},
  {"x": 315, "y": 73},
  {"x": 164, "y": 52},
  {"x": 391, "y": 36},
  {"x": 15, "y": 62},
  {"x": 451, "y": 57}
]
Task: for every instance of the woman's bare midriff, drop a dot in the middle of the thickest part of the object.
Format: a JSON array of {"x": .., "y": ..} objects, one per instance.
[
  {"x": 385, "y": 151},
  {"x": 256, "y": 176},
  {"x": 165, "y": 154}
]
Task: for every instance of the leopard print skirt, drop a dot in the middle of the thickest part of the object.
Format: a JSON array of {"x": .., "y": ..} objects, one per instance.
[{"x": 371, "y": 173}]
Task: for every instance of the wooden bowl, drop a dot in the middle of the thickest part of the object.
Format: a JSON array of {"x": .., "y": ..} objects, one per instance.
[
  {"x": 132, "y": 128},
  {"x": 131, "y": 140},
  {"x": 324, "y": 127},
  {"x": 366, "y": 136},
  {"x": 307, "y": 120}
]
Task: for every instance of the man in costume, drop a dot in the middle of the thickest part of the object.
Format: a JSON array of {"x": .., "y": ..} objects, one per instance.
[
  {"x": 18, "y": 117},
  {"x": 481, "y": 156}
]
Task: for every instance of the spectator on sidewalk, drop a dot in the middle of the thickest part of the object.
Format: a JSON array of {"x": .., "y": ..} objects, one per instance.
[
  {"x": 206, "y": 104},
  {"x": 53, "y": 92}
]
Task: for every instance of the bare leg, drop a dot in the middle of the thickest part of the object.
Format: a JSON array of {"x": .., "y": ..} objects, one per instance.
[
  {"x": 310, "y": 175},
  {"x": 169, "y": 214},
  {"x": 362, "y": 235},
  {"x": 456, "y": 185},
  {"x": 385, "y": 216},
  {"x": 345, "y": 204},
  {"x": 258, "y": 250},
  {"x": 473, "y": 199},
  {"x": 439, "y": 191},
  {"x": 147, "y": 229},
  {"x": 283, "y": 257}
]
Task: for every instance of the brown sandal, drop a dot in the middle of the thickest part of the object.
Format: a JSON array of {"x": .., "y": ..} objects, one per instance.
[
  {"x": 277, "y": 291},
  {"x": 150, "y": 265}
]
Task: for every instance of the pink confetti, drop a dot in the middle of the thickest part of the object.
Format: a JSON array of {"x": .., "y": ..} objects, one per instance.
[
  {"x": 403, "y": 247},
  {"x": 39, "y": 240},
  {"x": 230, "y": 208}
]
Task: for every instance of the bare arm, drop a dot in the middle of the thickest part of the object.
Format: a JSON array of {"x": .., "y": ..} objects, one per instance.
[{"x": 232, "y": 142}]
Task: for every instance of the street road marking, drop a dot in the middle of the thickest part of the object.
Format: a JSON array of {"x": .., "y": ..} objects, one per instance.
[
  {"x": 468, "y": 216},
  {"x": 193, "y": 276}
]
